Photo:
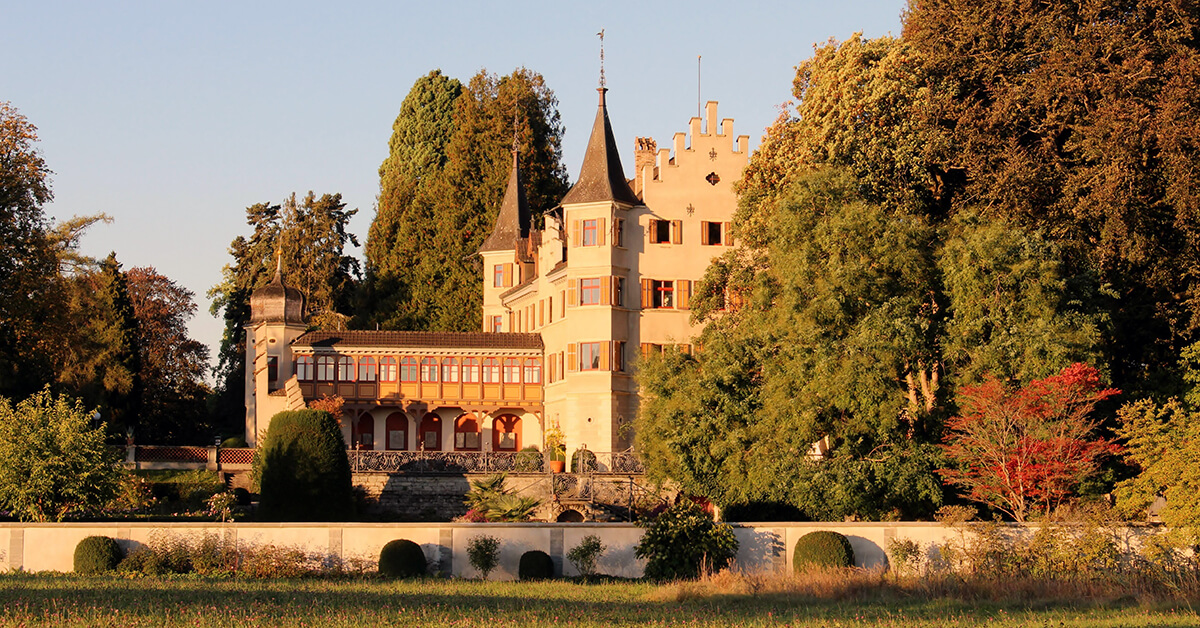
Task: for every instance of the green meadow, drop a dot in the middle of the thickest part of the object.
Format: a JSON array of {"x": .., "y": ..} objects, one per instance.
[{"x": 69, "y": 600}]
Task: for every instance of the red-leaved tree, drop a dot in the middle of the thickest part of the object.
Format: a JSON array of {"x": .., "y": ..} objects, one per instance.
[{"x": 1025, "y": 450}]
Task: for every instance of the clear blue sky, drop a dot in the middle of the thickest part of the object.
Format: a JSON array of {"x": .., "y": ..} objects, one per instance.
[{"x": 173, "y": 117}]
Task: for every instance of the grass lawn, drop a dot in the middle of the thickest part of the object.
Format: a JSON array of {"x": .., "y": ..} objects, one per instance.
[{"x": 68, "y": 600}]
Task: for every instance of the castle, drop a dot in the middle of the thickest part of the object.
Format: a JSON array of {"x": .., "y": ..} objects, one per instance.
[{"x": 566, "y": 312}]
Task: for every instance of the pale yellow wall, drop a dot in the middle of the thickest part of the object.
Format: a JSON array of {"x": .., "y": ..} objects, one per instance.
[{"x": 265, "y": 340}]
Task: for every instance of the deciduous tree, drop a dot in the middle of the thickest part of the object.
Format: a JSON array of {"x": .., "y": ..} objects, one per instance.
[
  {"x": 1024, "y": 451},
  {"x": 54, "y": 462}
]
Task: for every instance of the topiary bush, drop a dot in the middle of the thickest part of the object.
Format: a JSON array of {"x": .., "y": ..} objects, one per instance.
[
  {"x": 682, "y": 541},
  {"x": 822, "y": 549},
  {"x": 402, "y": 558},
  {"x": 535, "y": 565},
  {"x": 97, "y": 554},
  {"x": 302, "y": 470}
]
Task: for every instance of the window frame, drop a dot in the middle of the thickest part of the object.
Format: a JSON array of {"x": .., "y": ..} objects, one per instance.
[
  {"x": 409, "y": 370},
  {"x": 656, "y": 231},
  {"x": 470, "y": 371},
  {"x": 589, "y": 291},
  {"x": 593, "y": 351},
  {"x": 664, "y": 294},
  {"x": 367, "y": 369},
  {"x": 490, "y": 369},
  {"x": 344, "y": 368},
  {"x": 532, "y": 371},
  {"x": 388, "y": 371},
  {"x": 450, "y": 370},
  {"x": 429, "y": 370},
  {"x": 304, "y": 368},
  {"x": 589, "y": 232},
  {"x": 511, "y": 373},
  {"x": 325, "y": 370}
]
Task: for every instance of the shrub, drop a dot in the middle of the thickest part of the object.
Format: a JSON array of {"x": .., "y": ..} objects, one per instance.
[
  {"x": 528, "y": 460},
  {"x": 583, "y": 461},
  {"x": 585, "y": 555},
  {"x": 484, "y": 553},
  {"x": 97, "y": 554},
  {"x": 234, "y": 442},
  {"x": 683, "y": 540},
  {"x": 489, "y": 500},
  {"x": 823, "y": 548},
  {"x": 402, "y": 558},
  {"x": 302, "y": 469},
  {"x": 535, "y": 565}
]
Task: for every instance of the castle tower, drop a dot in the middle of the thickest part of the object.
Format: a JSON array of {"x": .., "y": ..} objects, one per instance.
[
  {"x": 594, "y": 393},
  {"x": 276, "y": 319},
  {"x": 507, "y": 256}
]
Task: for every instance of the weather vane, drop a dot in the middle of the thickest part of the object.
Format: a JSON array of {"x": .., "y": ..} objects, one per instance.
[{"x": 601, "y": 34}]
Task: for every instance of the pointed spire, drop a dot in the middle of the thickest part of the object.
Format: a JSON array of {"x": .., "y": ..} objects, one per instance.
[
  {"x": 278, "y": 267},
  {"x": 512, "y": 225},
  {"x": 601, "y": 178}
]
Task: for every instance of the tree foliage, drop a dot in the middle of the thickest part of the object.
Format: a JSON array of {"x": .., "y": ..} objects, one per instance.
[
  {"x": 439, "y": 198},
  {"x": 682, "y": 541},
  {"x": 308, "y": 238},
  {"x": 172, "y": 363},
  {"x": 1163, "y": 442},
  {"x": 54, "y": 463},
  {"x": 1025, "y": 451}
]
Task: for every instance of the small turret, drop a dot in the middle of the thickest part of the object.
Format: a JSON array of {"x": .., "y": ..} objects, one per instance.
[{"x": 276, "y": 303}]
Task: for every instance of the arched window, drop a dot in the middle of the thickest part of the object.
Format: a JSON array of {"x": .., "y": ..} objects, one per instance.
[
  {"x": 450, "y": 371},
  {"x": 345, "y": 368},
  {"x": 304, "y": 368},
  {"x": 397, "y": 431},
  {"x": 533, "y": 371},
  {"x": 408, "y": 369},
  {"x": 506, "y": 433},
  {"x": 491, "y": 371},
  {"x": 429, "y": 370},
  {"x": 466, "y": 433},
  {"x": 429, "y": 437},
  {"x": 325, "y": 368},
  {"x": 470, "y": 371},
  {"x": 387, "y": 369},
  {"x": 512, "y": 371},
  {"x": 364, "y": 431},
  {"x": 366, "y": 369}
]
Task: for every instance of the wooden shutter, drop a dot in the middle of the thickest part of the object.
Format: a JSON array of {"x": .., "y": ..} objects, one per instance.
[
  {"x": 605, "y": 350},
  {"x": 704, "y": 233},
  {"x": 572, "y": 299},
  {"x": 572, "y": 362},
  {"x": 676, "y": 232},
  {"x": 606, "y": 291},
  {"x": 683, "y": 293},
  {"x": 728, "y": 234},
  {"x": 541, "y": 313},
  {"x": 647, "y": 294},
  {"x": 645, "y": 349},
  {"x": 600, "y": 229},
  {"x": 508, "y": 275},
  {"x": 575, "y": 231}
]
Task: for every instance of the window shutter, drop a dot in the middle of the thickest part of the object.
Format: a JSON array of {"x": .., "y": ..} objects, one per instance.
[
  {"x": 572, "y": 299},
  {"x": 683, "y": 293},
  {"x": 704, "y": 233},
  {"x": 676, "y": 232},
  {"x": 645, "y": 349},
  {"x": 647, "y": 294},
  {"x": 605, "y": 290},
  {"x": 728, "y": 234},
  {"x": 572, "y": 363},
  {"x": 605, "y": 350},
  {"x": 600, "y": 229},
  {"x": 508, "y": 275},
  {"x": 575, "y": 233}
]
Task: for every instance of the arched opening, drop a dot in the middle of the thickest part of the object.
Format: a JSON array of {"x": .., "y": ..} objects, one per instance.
[
  {"x": 570, "y": 516},
  {"x": 506, "y": 433},
  {"x": 364, "y": 431},
  {"x": 397, "y": 431},
  {"x": 430, "y": 435},
  {"x": 466, "y": 433}
]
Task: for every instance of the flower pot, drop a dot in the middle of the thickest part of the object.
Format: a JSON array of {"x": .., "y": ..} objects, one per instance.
[{"x": 557, "y": 466}]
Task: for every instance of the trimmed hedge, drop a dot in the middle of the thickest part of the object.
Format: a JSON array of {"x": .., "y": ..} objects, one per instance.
[
  {"x": 535, "y": 565},
  {"x": 402, "y": 559},
  {"x": 97, "y": 554},
  {"x": 822, "y": 549},
  {"x": 302, "y": 469}
]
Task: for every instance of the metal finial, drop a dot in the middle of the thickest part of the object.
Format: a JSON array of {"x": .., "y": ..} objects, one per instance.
[
  {"x": 278, "y": 265},
  {"x": 601, "y": 34}
]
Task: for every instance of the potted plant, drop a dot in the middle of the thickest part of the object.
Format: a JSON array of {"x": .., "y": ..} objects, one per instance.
[{"x": 556, "y": 451}]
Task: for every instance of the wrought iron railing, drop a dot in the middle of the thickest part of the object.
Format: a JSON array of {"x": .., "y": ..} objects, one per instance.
[{"x": 417, "y": 462}]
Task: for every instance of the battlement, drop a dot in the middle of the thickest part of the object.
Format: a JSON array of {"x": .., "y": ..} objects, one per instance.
[{"x": 705, "y": 134}]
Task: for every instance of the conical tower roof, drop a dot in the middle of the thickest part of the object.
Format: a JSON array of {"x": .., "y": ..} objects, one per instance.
[
  {"x": 512, "y": 225},
  {"x": 601, "y": 178}
]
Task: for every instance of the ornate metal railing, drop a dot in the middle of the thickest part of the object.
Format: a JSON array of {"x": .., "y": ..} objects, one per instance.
[{"x": 417, "y": 462}]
